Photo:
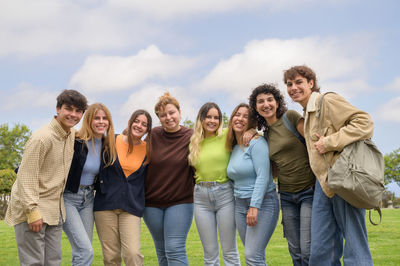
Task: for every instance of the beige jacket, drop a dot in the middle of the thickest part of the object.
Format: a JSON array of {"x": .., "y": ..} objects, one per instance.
[{"x": 341, "y": 124}]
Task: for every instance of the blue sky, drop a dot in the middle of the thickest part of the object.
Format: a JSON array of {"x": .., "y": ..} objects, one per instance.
[{"x": 126, "y": 53}]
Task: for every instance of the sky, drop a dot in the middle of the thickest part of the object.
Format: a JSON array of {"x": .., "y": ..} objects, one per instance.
[{"x": 127, "y": 53}]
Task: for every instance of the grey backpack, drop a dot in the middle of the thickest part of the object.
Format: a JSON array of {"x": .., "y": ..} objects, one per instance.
[{"x": 357, "y": 175}]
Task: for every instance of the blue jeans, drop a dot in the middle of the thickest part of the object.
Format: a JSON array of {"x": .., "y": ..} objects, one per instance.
[
  {"x": 214, "y": 206},
  {"x": 78, "y": 225},
  {"x": 169, "y": 228},
  {"x": 256, "y": 238},
  {"x": 296, "y": 220},
  {"x": 332, "y": 220}
]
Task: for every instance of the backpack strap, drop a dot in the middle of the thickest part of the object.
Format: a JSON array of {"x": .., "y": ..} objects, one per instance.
[
  {"x": 380, "y": 216},
  {"x": 292, "y": 129}
]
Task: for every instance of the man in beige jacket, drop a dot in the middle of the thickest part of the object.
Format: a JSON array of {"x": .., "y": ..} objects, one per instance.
[{"x": 333, "y": 219}]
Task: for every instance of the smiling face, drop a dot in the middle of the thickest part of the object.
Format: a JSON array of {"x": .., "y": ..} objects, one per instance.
[
  {"x": 139, "y": 126},
  {"x": 170, "y": 117},
  {"x": 240, "y": 120},
  {"x": 299, "y": 89},
  {"x": 210, "y": 123},
  {"x": 266, "y": 106},
  {"x": 68, "y": 116},
  {"x": 99, "y": 124}
]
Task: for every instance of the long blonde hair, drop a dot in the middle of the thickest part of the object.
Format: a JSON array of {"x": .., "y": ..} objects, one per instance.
[
  {"x": 86, "y": 132},
  {"x": 198, "y": 135}
]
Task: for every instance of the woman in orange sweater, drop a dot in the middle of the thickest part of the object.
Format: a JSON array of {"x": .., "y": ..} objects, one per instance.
[{"x": 119, "y": 200}]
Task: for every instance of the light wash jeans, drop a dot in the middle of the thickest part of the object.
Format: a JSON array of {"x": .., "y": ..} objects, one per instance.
[
  {"x": 214, "y": 206},
  {"x": 169, "y": 228},
  {"x": 256, "y": 238},
  {"x": 78, "y": 225},
  {"x": 296, "y": 220},
  {"x": 332, "y": 220}
]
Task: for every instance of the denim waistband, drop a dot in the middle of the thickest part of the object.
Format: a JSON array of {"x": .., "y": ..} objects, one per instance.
[
  {"x": 209, "y": 184},
  {"x": 84, "y": 187}
]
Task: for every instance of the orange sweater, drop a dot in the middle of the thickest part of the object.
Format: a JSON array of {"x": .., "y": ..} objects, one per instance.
[{"x": 130, "y": 162}]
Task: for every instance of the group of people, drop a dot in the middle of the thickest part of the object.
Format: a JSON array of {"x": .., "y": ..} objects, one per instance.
[{"x": 70, "y": 180}]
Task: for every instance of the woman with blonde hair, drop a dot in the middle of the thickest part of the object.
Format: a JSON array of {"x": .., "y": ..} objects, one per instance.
[
  {"x": 119, "y": 201},
  {"x": 256, "y": 200},
  {"x": 169, "y": 185},
  {"x": 94, "y": 149},
  {"x": 214, "y": 203}
]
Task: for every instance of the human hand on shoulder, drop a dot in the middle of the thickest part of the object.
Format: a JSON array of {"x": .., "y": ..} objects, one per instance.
[{"x": 249, "y": 135}]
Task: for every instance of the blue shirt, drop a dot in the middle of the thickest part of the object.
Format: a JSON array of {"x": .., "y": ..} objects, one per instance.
[
  {"x": 92, "y": 164},
  {"x": 249, "y": 168}
]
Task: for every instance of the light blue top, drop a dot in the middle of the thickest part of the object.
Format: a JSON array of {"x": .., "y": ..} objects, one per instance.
[
  {"x": 249, "y": 168},
  {"x": 92, "y": 164}
]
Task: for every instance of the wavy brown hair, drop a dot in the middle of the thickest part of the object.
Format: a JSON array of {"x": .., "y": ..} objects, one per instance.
[
  {"x": 128, "y": 132},
  {"x": 231, "y": 140},
  {"x": 303, "y": 71}
]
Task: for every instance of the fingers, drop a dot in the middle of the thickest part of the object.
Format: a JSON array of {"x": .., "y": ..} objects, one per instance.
[
  {"x": 251, "y": 219},
  {"x": 36, "y": 226}
]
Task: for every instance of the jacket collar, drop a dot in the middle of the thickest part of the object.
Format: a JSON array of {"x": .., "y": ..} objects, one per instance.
[
  {"x": 311, "y": 106},
  {"x": 55, "y": 125}
]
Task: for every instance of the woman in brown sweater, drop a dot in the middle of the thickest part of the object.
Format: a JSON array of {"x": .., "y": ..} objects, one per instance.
[{"x": 169, "y": 185}]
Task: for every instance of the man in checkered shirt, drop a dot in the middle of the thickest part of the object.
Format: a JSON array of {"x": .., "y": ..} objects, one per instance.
[{"x": 36, "y": 209}]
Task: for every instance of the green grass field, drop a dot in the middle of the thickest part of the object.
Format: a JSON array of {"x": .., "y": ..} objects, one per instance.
[{"x": 384, "y": 244}]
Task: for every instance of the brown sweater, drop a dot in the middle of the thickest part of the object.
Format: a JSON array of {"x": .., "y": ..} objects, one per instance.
[{"x": 170, "y": 179}]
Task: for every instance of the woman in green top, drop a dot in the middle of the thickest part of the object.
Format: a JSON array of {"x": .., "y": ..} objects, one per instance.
[
  {"x": 296, "y": 179},
  {"x": 213, "y": 193}
]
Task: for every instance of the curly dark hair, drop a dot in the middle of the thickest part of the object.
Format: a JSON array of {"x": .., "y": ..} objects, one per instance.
[{"x": 266, "y": 89}]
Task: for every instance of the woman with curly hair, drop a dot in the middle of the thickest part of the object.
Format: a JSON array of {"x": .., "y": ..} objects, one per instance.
[
  {"x": 213, "y": 193},
  {"x": 256, "y": 200},
  {"x": 295, "y": 177}
]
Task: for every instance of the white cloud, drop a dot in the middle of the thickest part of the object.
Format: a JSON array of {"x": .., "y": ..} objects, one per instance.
[
  {"x": 147, "y": 97},
  {"x": 395, "y": 84},
  {"x": 34, "y": 28},
  {"x": 390, "y": 111},
  {"x": 263, "y": 61},
  {"x": 348, "y": 89},
  {"x": 111, "y": 73},
  {"x": 26, "y": 95},
  {"x": 40, "y": 27}
]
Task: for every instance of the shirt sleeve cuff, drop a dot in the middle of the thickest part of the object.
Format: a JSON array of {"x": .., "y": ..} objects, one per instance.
[{"x": 34, "y": 216}]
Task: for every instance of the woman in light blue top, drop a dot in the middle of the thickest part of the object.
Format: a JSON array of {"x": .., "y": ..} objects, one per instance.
[
  {"x": 94, "y": 149},
  {"x": 256, "y": 200}
]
